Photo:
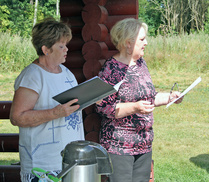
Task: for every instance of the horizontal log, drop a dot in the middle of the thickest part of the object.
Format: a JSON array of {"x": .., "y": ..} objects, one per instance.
[
  {"x": 75, "y": 23},
  {"x": 78, "y": 73},
  {"x": 94, "y": 13},
  {"x": 5, "y": 109},
  {"x": 92, "y": 122},
  {"x": 10, "y": 173},
  {"x": 70, "y": 8},
  {"x": 91, "y": 68},
  {"x": 99, "y": 2},
  {"x": 97, "y": 32},
  {"x": 9, "y": 142},
  {"x": 92, "y": 136},
  {"x": 109, "y": 43},
  {"x": 89, "y": 109},
  {"x": 122, "y": 7},
  {"x": 111, "y": 20},
  {"x": 94, "y": 50},
  {"x": 74, "y": 60},
  {"x": 111, "y": 53},
  {"x": 76, "y": 43},
  {"x": 94, "y": 31}
]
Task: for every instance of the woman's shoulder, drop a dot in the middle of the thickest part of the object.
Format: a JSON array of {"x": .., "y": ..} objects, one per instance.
[{"x": 31, "y": 69}]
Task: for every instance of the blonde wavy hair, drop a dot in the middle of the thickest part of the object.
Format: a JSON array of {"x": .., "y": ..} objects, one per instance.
[{"x": 126, "y": 30}]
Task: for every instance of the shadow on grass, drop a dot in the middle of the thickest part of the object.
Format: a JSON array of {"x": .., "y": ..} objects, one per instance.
[{"x": 201, "y": 161}]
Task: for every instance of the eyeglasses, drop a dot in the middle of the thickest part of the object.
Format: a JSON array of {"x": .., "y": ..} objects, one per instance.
[{"x": 175, "y": 84}]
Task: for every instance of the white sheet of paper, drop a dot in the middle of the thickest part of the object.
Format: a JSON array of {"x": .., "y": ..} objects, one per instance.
[
  {"x": 198, "y": 80},
  {"x": 117, "y": 86}
]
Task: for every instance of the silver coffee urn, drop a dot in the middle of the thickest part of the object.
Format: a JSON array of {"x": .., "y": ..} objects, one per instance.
[{"x": 84, "y": 161}]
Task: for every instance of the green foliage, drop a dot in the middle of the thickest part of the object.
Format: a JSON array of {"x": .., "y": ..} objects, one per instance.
[
  {"x": 15, "y": 52},
  {"x": 48, "y": 8},
  {"x": 207, "y": 22},
  {"x": 149, "y": 15},
  {"x": 168, "y": 17},
  {"x": 179, "y": 52},
  {"x": 4, "y": 15},
  {"x": 20, "y": 19},
  {"x": 17, "y": 16}
]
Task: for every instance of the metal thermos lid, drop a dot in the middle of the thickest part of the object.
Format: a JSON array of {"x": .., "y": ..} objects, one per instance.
[{"x": 79, "y": 152}]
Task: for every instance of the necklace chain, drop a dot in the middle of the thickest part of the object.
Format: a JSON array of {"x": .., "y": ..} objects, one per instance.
[{"x": 47, "y": 68}]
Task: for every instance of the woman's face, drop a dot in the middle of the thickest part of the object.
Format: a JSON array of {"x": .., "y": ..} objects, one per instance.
[
  {"x": 139, "y": 45},
  {"x": 59, "y": 52}
]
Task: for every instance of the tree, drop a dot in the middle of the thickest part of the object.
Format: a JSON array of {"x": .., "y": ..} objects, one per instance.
[
  {"x": 35, "y": 12},
  {"x": 4, "y": 15},
  {"x": 179, "y": 16},
  {"x": 198, "y": 10},
  {"x": 14, "y": 12},
  {"x": 149, "y": 14}
]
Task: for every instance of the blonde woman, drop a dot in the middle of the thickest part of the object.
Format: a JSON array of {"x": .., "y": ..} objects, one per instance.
[
  {"x": 45, "y": 126},
  {"x": 127, "y": 116}
]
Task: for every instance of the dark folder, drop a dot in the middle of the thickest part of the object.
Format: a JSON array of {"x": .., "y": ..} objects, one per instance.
[{"x": 87, "y": 93}]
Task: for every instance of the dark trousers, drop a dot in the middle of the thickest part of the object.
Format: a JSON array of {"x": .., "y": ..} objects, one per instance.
[{"x": 131, "y": 168}]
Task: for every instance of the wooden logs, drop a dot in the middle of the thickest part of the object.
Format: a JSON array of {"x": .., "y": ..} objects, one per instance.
[
  {"x": 94, "y": 31},
  {"x": 122, "y": 7},
  {"x": 99, "y": 19},
  {"x": 93, "y": 136},
  {"x": 78, "y": 72},
  {"x": 93, "y": 13},
  {"x": 92, "y": 127},
  {"x": 10, "y": 173},
  {"x": 75, "y": 23},
  {"x": 94, "y": 50},
  {"x": 111, "y": 20},
  {"x": 9, "y": 142},
  {"x": 91, "y": 69},
  {"x": 69, "y": 8},
  {"x": 5, "y": 109},
  {"x": 74, "y": 60},
  {"x": 99, "y": 2},
  {"x": 92, "y": 122},
  {"x": 75, "y": 44}
]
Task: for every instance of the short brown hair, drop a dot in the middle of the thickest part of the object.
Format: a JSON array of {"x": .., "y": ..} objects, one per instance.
[{"x": 48, "y": 32}]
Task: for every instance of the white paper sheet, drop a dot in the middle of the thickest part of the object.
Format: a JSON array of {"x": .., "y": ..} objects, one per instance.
[{"x": 198, "y": 80}]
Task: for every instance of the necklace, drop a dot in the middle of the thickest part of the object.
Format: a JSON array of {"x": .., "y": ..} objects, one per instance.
[{"x": 60, "y": 70}]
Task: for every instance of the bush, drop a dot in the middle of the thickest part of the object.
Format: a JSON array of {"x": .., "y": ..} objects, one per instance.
[
  {"x": 173, "y": 54},
  {"x": 15, "y": 52},
  {"x": 178, "y": 52}
]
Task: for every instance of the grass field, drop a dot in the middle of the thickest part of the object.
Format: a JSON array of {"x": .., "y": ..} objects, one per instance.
[{"x": 181, "y": 143}]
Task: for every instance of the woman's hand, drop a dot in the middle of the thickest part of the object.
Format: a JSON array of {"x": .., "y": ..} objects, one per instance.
[
  {"x": 64, "y": 110},
  {"x": 175, "y": 95},
  {"x": 128, "y": 108},
  {"x": 144, "y": 107},
  {"x": 23, "y": 114}
]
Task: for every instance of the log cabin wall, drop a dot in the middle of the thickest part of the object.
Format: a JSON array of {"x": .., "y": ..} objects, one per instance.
[{"x": 91, "y": 22}]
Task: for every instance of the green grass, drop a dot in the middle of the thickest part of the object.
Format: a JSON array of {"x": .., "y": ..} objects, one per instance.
[{"x": 181, "y": 143}]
